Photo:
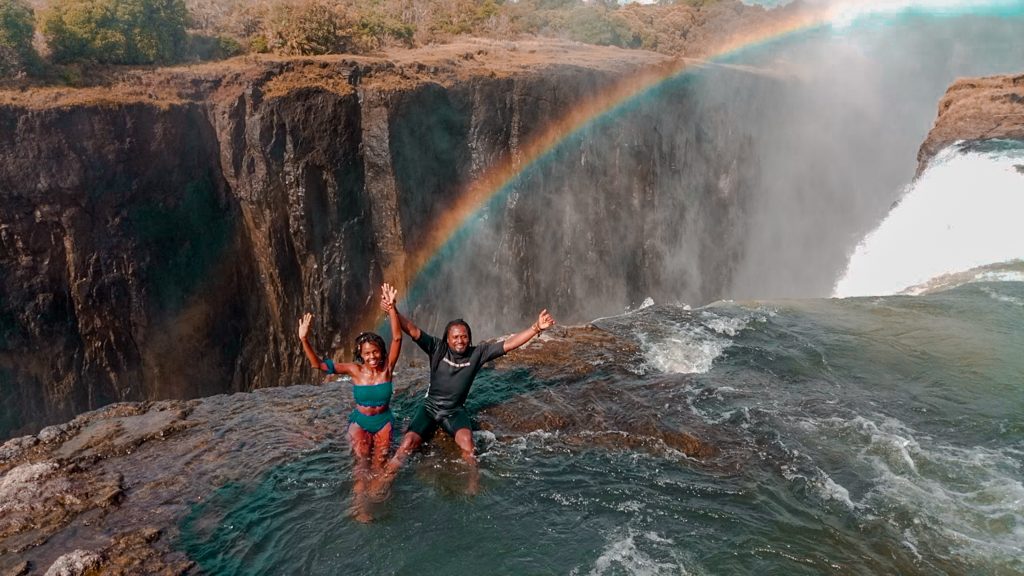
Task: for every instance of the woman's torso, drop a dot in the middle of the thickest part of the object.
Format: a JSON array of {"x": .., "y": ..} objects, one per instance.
[{"x": 372, "y": 393}]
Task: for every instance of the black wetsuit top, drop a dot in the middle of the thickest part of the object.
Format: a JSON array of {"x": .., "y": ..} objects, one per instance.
[{"x": 452, "y": 374}]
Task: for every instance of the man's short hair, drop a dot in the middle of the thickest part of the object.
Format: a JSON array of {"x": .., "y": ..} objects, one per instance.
[{"x": 458, "y": 322}]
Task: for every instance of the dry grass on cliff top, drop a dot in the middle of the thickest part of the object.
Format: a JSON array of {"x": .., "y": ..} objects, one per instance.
[
  {"x": 977, "y": 109},
  {"x": 990, "y": 107},
  {"x": 396, "y": 69}
]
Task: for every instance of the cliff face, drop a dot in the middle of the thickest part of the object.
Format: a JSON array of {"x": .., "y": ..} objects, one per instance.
[
  {"x": 160, "y": 241},
  {"x": 166, "y": 249},
  {"x": 112, "y": 219},
  {"x": 976, "y": 109}
]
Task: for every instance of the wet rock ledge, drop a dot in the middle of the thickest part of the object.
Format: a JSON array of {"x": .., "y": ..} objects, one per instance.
[
  {"x": 101, "y": 494},
  {"x": 105, "y": 492}
]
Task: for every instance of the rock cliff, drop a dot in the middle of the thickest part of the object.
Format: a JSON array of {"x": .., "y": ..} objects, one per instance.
[
  {"x": 160, "y": 237},
  {"x": 976, "y": 109},
  {"x": 108, "y": 490}
]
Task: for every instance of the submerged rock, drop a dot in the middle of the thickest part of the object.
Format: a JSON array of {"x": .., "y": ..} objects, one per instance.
[
  {"x": 114, "y": 485},
  {"x": 74, "y": 563},
  {"x": 120, "y": 477},
  {"x": 15, "y": 446}
]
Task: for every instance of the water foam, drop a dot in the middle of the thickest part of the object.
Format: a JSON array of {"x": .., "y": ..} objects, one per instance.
[
  {"x": 962, "y": 213},
  {"x": 691, "y": 351},
  {"x": 1003, "y": 297},
  {"x": 819, "y": 483},
  {"x": 623, "y": 554},
  {"x": 1007, "y": 276},
  {"x": 968, "y": 498},
  {"x": 691, "y": 347},
  {"x": 1002, "y": 272}
]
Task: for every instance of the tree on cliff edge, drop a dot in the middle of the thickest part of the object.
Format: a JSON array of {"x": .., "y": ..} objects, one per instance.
[
  {"x": 116, "y": 31},
  {"x": 17, "y": 26}
]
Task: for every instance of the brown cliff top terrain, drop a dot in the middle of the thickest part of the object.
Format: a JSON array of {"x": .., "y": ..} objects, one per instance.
[
  {"x": 976, "y": 109},
  {"x": 681, "y": 31},
  {"x": 441, "y": 64}
]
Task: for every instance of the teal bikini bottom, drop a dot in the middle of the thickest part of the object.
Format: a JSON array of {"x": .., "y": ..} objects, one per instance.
[{"x": 371, "y": 424}]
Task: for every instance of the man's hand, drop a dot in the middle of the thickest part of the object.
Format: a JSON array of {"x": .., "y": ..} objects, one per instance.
[{"x": 544, "y": 321}]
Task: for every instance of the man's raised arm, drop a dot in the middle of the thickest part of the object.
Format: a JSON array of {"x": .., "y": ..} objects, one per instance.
[
  {"x": 544, "y": 321},
  {"x": 407, "y": 325}
]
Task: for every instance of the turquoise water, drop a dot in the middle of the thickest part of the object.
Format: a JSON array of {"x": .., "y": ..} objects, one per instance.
[
  {"x": 867, "y": 435},
  {"x": 874, "y": 435}
]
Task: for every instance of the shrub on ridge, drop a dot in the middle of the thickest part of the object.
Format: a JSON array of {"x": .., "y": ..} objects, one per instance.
[
  {"x": 17, "y": 26},
  {"x": 116, "y": 31}
]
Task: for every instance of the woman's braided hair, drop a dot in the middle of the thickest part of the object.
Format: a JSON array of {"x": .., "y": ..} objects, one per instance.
[{"x": 368, "y": 337}]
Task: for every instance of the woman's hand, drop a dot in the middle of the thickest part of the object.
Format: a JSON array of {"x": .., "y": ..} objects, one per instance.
[{"x": 304, "y": 323}]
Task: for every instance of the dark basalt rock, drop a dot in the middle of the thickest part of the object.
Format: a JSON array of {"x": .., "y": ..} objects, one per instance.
[{"x": 159, "y": 240}]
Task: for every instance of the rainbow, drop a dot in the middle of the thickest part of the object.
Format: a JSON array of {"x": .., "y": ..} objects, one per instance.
[{"x": 456, "y": 223}]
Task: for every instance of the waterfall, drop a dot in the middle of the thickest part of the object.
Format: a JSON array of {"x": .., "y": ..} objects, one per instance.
[{"x": 963, "y": 212}]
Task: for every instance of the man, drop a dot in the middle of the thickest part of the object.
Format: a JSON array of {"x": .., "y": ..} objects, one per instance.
[{"x": 454, "y": 363}]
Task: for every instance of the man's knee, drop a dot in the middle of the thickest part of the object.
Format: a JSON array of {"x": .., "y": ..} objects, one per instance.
[
  {"x": 464, "y": 439},
  {"x": 410, "y": 441}
]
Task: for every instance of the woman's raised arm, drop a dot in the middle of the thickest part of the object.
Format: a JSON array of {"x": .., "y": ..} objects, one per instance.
[{"x": 389, "y": 300}]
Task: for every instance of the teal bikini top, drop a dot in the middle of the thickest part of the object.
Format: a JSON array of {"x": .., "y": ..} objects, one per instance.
[{"x": 373, "y": 394}]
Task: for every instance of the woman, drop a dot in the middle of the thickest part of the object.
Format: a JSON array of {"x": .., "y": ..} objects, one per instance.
[{"x": 370, "y": 423}]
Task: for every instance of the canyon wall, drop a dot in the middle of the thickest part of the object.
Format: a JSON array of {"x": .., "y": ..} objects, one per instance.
[
  {"x": 159, "y": 239},
  {"x": 213, "y": 223}
]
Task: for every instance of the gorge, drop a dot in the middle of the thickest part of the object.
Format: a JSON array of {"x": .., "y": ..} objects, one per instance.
[
  {"x": 158, "y": 243},
  {"x": 187, "y": 217}
]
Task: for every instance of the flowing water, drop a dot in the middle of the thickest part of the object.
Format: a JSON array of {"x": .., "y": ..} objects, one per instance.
[
  {"x": 964, "y": 212},
  {"x": 876, "y": 434},
  {"x": 863, "y": 435},
  {"x": 873, "y": 435}
]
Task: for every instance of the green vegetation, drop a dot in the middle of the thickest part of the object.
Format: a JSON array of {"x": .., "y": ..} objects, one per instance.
[
  {"x": 597, "y": 25},
  {"x": 17, "y": 26},
  {"x": 308, "y": 28},
  {"x": 203, "y": 47},
  {"x": 83, "y": 34},
  {"x": 373, "y": 31},
  {"x": 297, "y": 27},
  {"x": 116, "y": 31}
]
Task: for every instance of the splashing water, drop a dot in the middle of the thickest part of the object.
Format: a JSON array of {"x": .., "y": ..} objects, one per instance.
[
  {"x": 852, "y": 436},
  {"x": 964, "y": 212}
]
